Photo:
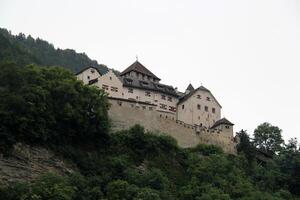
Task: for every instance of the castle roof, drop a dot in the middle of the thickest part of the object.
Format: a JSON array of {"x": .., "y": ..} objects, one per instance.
[
  {"x": 191, "y": 93},
  {"x": 138, "y": 67},
  {"x": 148, "y": 85},
  {"x": 88, "y": 67},
  {"x": 222, "y": 121},
  {"x": 190, "y": 88}
]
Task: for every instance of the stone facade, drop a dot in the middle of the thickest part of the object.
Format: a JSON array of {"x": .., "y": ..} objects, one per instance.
[{"x": 137, "y": 97}]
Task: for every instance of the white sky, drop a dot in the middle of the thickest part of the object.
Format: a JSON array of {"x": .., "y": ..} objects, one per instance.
[{"x": 246, "y": 52}]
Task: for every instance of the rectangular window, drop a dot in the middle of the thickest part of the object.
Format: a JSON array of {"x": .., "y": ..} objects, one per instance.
[
  {"x": 163, "y": 97},
  {"x": 163, "y": 106},
  {"x": 170, "y": 99},
  {"x": 147, "y": 94},
  {"x": 213, "y": 110},
  {"x": 199, "y": 107},
  {"x": 114, "y": 89},
  {"x": 130, "y": 90},
  {"x": 182, "y": 107},
  {"x": 105, "y": 87},
  {"x": 206, "y": 108},
  {"x": 172, "y": 108}
]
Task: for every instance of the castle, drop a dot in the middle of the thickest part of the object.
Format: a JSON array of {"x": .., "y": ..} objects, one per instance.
[{"x": 137, "y": 97}]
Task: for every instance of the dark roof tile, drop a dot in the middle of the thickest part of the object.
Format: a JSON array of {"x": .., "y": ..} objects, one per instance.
[
  {"x": 222, "y": 121},
  {"x": 146, "y": 85},
  {"x": 138, "y": 67}
]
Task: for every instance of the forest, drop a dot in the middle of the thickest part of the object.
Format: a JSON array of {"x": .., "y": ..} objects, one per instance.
[
  {"x": 45, "y": 105},
  {"x": 25, "y": 50}
]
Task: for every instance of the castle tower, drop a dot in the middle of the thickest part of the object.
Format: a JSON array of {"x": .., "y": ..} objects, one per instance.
[{"x": 139, "y": 71}]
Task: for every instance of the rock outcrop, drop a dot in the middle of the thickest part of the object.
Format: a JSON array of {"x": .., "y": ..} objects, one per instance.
[{"x": 27, "y": 162}]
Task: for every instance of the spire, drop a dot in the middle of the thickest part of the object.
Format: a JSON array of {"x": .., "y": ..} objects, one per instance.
[{"x": 190, "y": 87}]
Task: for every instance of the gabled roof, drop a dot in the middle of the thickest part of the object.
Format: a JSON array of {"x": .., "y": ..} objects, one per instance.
[
  {"x": 138, "y": 67},
  {"x": 202, "y": 88},
  {"x": 88, "y": 67},
  {"x": 222, "y": 121},
  {"x": 190, "y": 88}
]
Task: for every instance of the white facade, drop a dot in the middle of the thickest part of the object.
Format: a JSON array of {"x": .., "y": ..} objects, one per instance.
[
  {"x": 196, "y": 107},
  {"x": 88, "y": 74},
  {"x": 201, "y": 108}
]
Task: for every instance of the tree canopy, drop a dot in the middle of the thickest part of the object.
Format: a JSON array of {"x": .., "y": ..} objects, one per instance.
[
  {"x": 48, "y": 105},
  {"x": 268, "y": 138},
  {"x": 25, "y": 50}
]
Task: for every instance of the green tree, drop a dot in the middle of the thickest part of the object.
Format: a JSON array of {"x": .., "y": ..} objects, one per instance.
[
  {"x": 42, "y": 105},
  {"x": 121, "y": 190},
  {"x": 268, "y": 138},
  {"x": 245, "y": 146}
]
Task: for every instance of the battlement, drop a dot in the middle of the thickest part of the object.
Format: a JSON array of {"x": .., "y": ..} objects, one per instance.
[
  {"x": 125, "y": 114},
  {"x": 137, "y": 97}
]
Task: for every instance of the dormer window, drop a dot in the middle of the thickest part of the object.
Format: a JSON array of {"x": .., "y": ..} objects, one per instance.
[
  {"x": 160, "y": 87},
  {"x": 144, "y": 83}
]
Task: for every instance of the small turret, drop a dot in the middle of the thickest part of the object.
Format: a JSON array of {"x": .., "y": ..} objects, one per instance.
[{"x": 189, "y": 89}]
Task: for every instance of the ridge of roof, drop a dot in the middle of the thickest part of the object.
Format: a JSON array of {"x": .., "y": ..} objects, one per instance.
[
  {"x": 138, "y": 67},
  {"x": 190, "y": 87},
  {"x": 185, "y": 97},
  {"x": 85, "y": 68},
  {"x": 222, "y": 121}
]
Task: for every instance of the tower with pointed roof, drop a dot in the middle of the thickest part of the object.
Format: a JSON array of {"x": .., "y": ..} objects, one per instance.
[{"x": 137, "y": 70}]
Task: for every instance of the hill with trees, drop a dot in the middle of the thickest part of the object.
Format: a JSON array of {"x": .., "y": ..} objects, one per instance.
[
  {"x": 24, "y": 50},
  {"x": 48, "y": 107}
]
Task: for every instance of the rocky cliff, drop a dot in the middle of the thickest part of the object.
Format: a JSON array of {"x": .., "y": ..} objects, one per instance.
[{"x": 27, "y": 162}]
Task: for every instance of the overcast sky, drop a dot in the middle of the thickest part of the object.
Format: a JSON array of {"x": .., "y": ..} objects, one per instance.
[{"x": 246, "y": 52}]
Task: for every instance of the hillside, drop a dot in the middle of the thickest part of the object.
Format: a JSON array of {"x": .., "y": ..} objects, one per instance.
[
  {"x": 56, "y": 143},
  {"x": 27, "y": 50}
]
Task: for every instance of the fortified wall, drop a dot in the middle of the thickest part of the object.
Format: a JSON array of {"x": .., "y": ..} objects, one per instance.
[{"x": 127, "y": 113}]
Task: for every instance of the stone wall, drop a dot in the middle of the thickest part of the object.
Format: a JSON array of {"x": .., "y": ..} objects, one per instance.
[{"x": 125, "y": 114}]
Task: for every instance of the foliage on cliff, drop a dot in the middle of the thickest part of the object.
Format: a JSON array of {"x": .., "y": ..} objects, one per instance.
[
  {"x": 49, "y": 107},
  {"x": 41, "y": 105},
  {"x": 24, "y": 50}
]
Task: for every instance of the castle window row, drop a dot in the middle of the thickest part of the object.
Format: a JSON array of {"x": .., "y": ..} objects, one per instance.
[
  {"x": 105, "y": 87},
  {"x": 143, "y": 107},
  {"x": 207, "y": 98},
  {"x": 114, "y": 89},
  {"x": 163, "y": 97}
]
